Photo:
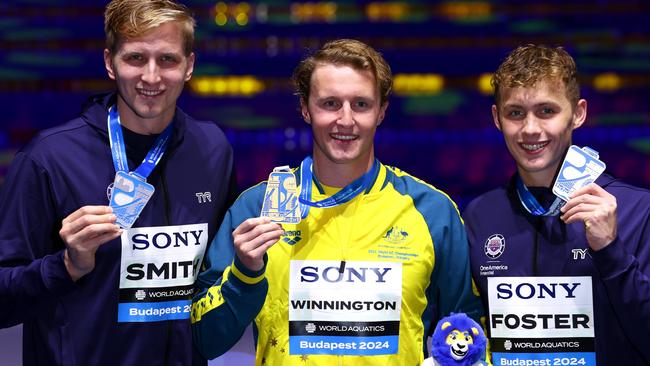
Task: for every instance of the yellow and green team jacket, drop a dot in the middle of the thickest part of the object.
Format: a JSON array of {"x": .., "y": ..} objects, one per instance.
[{"x": 363, "y": 283}]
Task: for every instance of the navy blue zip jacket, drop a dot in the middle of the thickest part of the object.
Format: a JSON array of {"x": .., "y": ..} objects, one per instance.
[
  {"x": 545, "y": 246},
  {"x": 70, "y": 166}
]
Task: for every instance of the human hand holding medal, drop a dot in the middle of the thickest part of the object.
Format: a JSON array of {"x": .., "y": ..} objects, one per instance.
[
  {"x": 83, "y": 232},
  {"x": 252, "y": 238},
  {"x": 596, "y": 208},
  {"x": 585, "y": 200}
]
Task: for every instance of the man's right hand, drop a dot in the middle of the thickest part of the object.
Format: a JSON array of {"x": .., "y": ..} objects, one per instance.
[
  {"x": 83, "y": 231},
  {"x": 252, "y": 238}
]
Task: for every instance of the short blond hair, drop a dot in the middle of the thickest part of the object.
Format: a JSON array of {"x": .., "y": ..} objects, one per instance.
[
  {"x": 125, "y": 19},
  {"x": 527, "y": 65},
  {"x": 348, "y": 52}
]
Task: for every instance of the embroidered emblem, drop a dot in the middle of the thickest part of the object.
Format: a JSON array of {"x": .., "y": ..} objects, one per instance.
[
  {"x": 494, "y": 246},
  {"x": 203, "y": 197},
  {"x": 396, "y": 235},
  {"x": 577, "y": 252}
]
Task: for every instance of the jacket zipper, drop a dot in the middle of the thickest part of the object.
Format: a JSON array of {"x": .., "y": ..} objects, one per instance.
[
  {"x": 538, "y": 226},
  {"x": 167, "y": 223},
  {"x": 165, "y": 195}
]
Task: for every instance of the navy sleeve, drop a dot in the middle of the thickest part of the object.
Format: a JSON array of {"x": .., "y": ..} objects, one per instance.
[
  {"x": 32, "y": 272},
  {"x": 229, "y": 296},
  {"x": 627, "y": 279},
  {"x": 456, "y": 290},
  {"x": 455, "y": 279}
]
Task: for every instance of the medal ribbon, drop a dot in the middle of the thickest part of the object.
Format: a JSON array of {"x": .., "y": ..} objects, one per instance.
[
  {"x": 346, "y": 194},
  {"x": 532, "y": 206},
  {"x": 118, "y": 150}
]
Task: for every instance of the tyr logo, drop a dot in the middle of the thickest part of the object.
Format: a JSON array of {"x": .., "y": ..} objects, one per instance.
[
  {"x": 582, "y": 253},
  {"x": 204, "y": 197}
]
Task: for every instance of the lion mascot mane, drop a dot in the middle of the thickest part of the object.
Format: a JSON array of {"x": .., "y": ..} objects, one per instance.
[{"x": 457, "y": 340}]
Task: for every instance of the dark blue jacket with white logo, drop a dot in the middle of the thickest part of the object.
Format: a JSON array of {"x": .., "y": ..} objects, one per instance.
[
  {"x": 545, "y": 246},
  {"x": 70, "y": 166}
]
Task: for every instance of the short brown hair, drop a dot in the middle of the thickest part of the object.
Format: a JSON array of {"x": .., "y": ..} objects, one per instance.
[
  {"x": 134, "y": 18},
  {"x": 347, "y": 52},
  {"x": 529, "y": 64}
]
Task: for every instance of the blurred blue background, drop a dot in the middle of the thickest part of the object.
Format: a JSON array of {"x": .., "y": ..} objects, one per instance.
[{"x": 438, "y": 125}]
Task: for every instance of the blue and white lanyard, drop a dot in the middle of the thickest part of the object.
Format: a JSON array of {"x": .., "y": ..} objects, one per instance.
[
  {"x": 532, "y": 206},
  {"x": 344, "y": 195},
  {"x": 119, "y": 152}
]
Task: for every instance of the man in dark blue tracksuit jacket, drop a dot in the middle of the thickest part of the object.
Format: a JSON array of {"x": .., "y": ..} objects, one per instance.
[
  {"x": 87, "y": 291},
  {"x": 569, "y": 285}
]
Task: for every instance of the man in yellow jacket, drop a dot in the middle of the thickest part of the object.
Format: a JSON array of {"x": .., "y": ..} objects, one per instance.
[{"x": 376, "y": 258}]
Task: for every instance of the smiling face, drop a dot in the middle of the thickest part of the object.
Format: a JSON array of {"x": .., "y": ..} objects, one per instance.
[
  {"x": 344, "y": 110},
  {"x": 459, "y": 344},
  {"x": 150, "y": 72},
  {"x": 537, "y": 123}
]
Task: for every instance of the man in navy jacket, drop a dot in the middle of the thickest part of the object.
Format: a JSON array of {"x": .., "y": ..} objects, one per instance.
[
  {"x": 87, "y": 291},
  {"x": 564, "y": 284}
]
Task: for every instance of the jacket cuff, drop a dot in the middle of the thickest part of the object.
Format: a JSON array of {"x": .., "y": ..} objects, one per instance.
[
  {"x": 611, "y": 260},
  {"x": 245, "y": 275},
  {"x": 55, "y": 276}
]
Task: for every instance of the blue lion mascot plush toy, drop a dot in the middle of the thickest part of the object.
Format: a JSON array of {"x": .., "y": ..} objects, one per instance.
[{"x": 457, "y": 340}]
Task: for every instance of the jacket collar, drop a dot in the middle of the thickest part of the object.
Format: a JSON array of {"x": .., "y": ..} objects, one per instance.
[{"x": 95, "y": 114}]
